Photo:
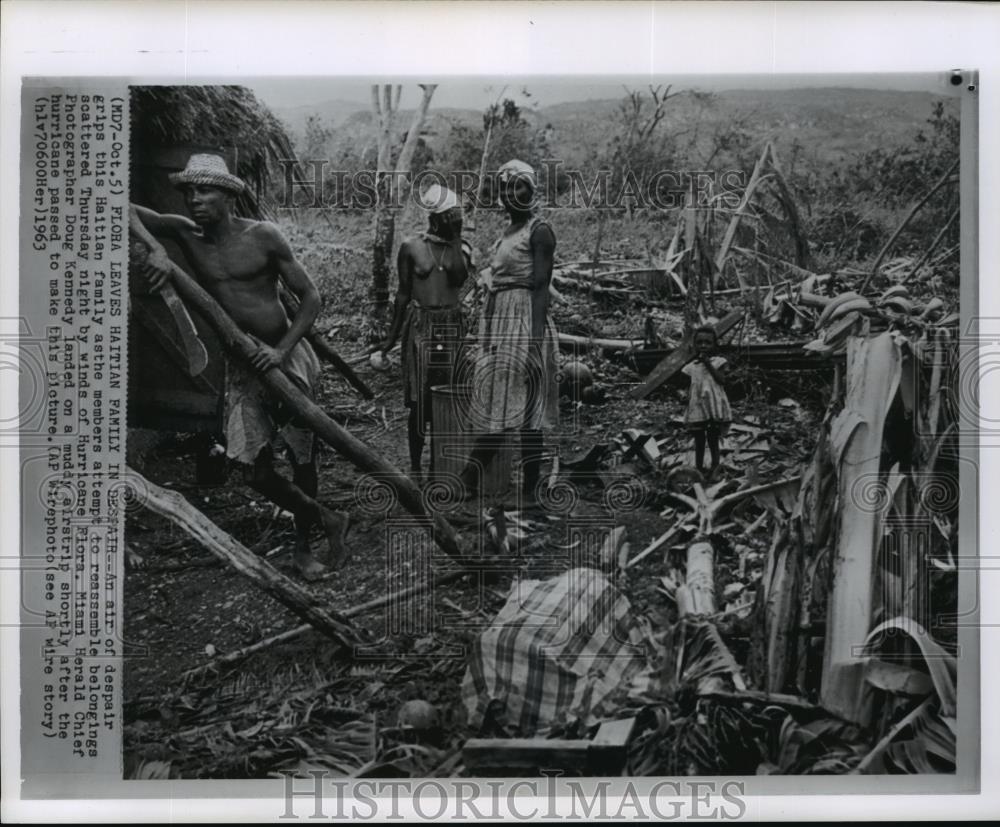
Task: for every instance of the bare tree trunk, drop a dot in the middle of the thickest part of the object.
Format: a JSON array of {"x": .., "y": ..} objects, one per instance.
[
  {"x": 692, "y": 263},
  {"x": 391, "y": 190},
  {"x": 385, "y": 232}
]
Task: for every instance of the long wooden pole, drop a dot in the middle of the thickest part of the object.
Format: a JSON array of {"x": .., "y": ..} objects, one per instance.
[
  {"x": 175, "y": 507},
  {"x": 238, "y": 342}
]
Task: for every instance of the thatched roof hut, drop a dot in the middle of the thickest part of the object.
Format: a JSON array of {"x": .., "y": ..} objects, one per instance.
[
  {"x": 228, "y": 120},
  {"x": 168, "y": 125}
]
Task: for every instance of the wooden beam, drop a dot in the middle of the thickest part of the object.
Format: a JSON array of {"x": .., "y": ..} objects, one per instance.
[
  {"x": 680, "y": 356},
  {"x": 173, "y": 506}
]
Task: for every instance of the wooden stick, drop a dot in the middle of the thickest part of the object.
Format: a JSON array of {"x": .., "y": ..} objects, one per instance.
[
  {"x": 178, "y": 510},
  {"x": 362, "y": 608},
  {"x": 238, "y": 342}
]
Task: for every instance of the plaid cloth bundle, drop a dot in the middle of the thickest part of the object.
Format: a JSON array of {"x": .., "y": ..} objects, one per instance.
[{"x": 560, "y": 649}]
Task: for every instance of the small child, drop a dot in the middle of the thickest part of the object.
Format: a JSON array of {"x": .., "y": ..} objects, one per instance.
[{"x": 708, "y": 415}]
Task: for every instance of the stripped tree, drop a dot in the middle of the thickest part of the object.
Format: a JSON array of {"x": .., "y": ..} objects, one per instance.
[{"x": 392, "y": 184}]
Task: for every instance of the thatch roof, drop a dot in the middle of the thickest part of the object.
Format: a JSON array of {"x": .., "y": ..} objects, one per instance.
[{"x": 222, "y": 116}]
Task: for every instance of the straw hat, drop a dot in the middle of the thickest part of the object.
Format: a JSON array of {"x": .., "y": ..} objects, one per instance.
[{"x": 209, "y": 170}]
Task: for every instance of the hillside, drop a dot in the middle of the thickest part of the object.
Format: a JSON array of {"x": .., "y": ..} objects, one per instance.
[{"x": 829, "y": 123}]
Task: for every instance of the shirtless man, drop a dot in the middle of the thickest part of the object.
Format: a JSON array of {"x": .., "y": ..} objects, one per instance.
[
  {"x": 432, "y": 267},
  {"x": 239, "y": 262}
]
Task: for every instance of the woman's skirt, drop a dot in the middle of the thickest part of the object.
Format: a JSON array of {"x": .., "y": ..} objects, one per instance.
[{"x": 514, "y": 388}]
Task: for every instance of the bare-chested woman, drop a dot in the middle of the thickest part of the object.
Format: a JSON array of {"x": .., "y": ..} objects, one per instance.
[
  {"x": 433, "y": 267},
  {"x": 239, "y": 262}
]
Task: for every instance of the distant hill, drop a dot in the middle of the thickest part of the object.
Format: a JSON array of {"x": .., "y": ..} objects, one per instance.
[{"x": 830, "y": 123}]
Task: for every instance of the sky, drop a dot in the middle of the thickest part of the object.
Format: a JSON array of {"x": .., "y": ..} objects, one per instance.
[{"x": 478, "y": 93}]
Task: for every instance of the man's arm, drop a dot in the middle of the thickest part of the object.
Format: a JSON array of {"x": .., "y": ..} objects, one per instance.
[
  {"x": 404, "y": 268},
  {"x": 299, "y": 283},
  {"x": 163, "y": 225}
]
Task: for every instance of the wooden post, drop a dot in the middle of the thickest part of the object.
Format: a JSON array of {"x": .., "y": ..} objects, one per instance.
[
  {"x": 174, "y": 507},
  {"x": 238, "y": 342}
]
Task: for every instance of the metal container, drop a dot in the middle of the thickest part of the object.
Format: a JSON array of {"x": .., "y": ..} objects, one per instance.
[{"x": 452, "y": 439}]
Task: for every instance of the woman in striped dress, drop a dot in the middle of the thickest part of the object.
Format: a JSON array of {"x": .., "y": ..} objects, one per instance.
[{"x": 515, "y": 386}]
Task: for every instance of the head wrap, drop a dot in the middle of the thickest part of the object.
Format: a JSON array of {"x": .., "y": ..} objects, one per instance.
[
  {"x": 437, "y": 199},
  {"x": 518, "y": 169},
  {"x": 208, "y": 170}
]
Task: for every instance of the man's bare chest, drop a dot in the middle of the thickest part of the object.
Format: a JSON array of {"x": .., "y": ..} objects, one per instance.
[{"x": 237, "y": 259}]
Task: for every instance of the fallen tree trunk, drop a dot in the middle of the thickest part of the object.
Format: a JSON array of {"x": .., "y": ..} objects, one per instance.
[
  {"x": 591, "y": 342},
  {"x": 595, "y": 289},
  {"x": 235, "y": 340},
  {"x": 178, "y": 510},
  {"x": 697, "y": 595}
]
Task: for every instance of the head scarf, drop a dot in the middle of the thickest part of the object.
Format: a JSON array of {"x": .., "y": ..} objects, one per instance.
[
  {"x": 437, "y": 199},
  {"x": 519, "y": 169}
]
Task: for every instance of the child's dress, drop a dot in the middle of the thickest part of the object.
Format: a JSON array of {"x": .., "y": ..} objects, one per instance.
[{"x": 707, "y": 400}]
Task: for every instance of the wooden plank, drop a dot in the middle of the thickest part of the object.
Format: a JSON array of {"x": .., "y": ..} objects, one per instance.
[{"x": 680, "y": 356}]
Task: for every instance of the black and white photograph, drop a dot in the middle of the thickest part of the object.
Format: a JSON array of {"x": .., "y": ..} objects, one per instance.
[
  {"x": 587, "y": 418},
  {"x": 488, "y": 429}
]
